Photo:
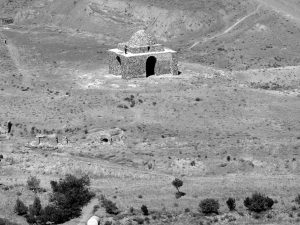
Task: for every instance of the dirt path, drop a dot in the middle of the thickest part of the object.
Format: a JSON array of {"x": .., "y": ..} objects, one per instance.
[
  {"x": 15, "y": 56},
  {"x": 228, "y": 29},
  {"x": 87, "y": 212}
]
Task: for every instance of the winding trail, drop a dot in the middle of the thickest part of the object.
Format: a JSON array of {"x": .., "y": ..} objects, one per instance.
[
  {"x": 228, "y": 29},
  {"x": 86, "y": 212}
]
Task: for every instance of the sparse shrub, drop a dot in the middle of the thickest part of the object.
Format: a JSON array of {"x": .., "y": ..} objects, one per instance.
[
  {"x": 140, "y": 196},
  {"x": 145, "y": 210},
  {"x": 231, "y": 204},
  {"x": 122, "y": 106},
  {"x": 228, "y": 158},
  {"x": 139, "y": 220},
  {"x": 187, "y": 210},
  {"x": 258, "y": 203},
  {"x": 256, "y": 216},
  {"x": 131, "y": 210},
  {"x": 96, "y": 207},
  {"x": 33, "y": 183},
  {"x": 179, "y": 194},
  {"x": 209, "y": 205},
  {"x": 294, "y": 208},
  {"x": 147, "y": 220},
  {"x": 20, "y": 208},
  {"x": 297, "y": 199},
  {"x": 110, "y": 207},
  {"x": 108, "y": 223}
]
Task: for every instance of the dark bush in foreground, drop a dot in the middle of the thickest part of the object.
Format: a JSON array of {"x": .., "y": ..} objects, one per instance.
[
  {"x": 145, "y": 210},
  {"x": 258, "y": 203},
  {"x": 34, "y": 211},
  {"x": 110, "y": 207},
  {"x": 209, "y": 205},
  {"x": 231, "y": 204},
  {"x": 20, "y": 208},
  {"x": 68, "y": 197}
]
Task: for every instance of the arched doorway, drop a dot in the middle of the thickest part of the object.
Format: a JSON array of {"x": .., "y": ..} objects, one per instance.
[
  {"x": 119, "y": 59},
  {"x": 150, "y": 66}
]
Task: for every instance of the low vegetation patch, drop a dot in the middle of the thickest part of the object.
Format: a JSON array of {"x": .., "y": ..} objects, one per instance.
[
  {"x": 6, "y": 222},
  {"x": 209, "y": 205},
  {"x": 33, "y": 183},
  {"x": 110, "y": 207},
  {"x": 297, "y": 199},
  {"x": 258, "y": 203}
]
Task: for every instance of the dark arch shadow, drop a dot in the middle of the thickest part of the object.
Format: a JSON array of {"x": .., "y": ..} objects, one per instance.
[
  {"x": 150, "y": 66},
  {"x": 119, "y": 59}
]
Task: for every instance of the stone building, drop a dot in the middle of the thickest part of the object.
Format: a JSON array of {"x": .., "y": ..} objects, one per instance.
[{"x": 141, "y": 57}]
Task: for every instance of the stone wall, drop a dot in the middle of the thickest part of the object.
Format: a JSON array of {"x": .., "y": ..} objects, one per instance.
[
  {"x": 135, "y": 66},
  {"x": 114, "y": 65},
  {"x": 5, "y": 21}
]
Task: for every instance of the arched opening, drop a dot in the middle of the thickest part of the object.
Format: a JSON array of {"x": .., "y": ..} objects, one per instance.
[
  {"x": 119, "y": 59},
  {"x": 150, "y": 66}
]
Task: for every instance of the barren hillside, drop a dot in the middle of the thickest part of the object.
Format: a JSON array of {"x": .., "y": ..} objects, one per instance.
[
  {"x": 234, "y": 35},
  {"x": 227, "y": 126}
]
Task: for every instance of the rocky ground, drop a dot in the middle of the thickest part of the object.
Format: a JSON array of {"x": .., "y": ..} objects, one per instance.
[{"x": 225, "y": 133}]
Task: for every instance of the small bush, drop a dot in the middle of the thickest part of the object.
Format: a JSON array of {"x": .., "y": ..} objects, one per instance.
[
  {"x": 209, "y": 205},
  {"x": 258, "y": 203},
  {"x": 139, "y": 220},
  {"x": 179, "y": 194},
  {"x": 110, "y": 207},
  {"x": 20, "y": 208},
  {"x": 145, "y": 210},
  {"x": 231, "y": 204},
  {"x": 177, "y": 183},
  {"x": 187, "y": 210},
  {"x": 33, "y": 184}
]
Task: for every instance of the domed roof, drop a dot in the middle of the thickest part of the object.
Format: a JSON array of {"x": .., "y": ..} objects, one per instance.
[{"x": 142, "y": 38}]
